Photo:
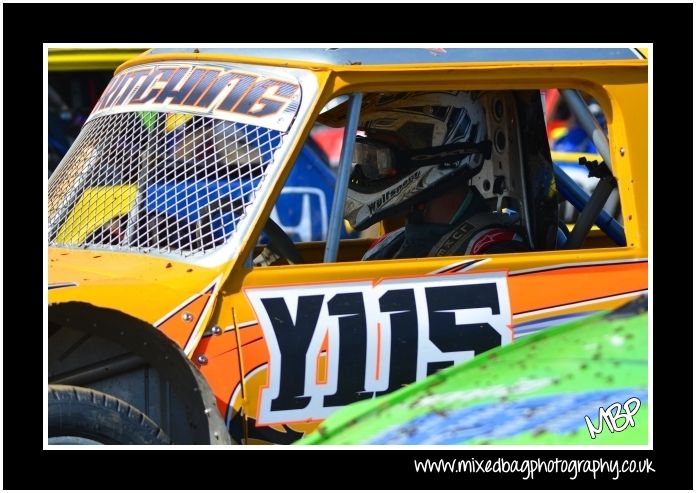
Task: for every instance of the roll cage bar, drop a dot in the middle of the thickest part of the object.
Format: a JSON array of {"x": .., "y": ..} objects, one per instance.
[{"x": 590, "y": 207}]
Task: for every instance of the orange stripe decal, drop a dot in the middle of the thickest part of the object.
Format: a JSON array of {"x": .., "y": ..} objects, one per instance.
[
  {"x": 179, "y": 326},
  {"x": 323, "y": 360},
  {"x": 538, "y": 290},
  {"x": 379, "y": 349}
]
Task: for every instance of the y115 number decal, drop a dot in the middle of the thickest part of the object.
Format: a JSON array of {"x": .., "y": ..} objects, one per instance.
[{"x": 334, "y": 344}]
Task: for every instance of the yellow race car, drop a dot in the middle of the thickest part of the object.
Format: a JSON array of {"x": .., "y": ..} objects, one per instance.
[{"x": 179, "y": 312}]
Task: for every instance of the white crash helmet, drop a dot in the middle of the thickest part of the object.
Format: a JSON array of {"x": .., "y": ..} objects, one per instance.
[{"x": 416, "y": 145}]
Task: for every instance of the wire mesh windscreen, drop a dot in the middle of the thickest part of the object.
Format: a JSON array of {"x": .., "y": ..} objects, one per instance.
[{"x": 166, "y": 182}]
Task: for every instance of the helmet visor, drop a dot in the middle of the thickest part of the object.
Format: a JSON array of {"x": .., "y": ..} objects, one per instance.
[{"x": 376, "y": 160}]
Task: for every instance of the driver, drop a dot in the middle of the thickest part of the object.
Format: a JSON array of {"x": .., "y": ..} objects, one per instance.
[{"x": 416, "y": 158}]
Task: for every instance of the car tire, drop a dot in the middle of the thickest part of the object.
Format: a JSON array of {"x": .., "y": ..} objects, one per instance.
[{"x": 78, "y": 415}]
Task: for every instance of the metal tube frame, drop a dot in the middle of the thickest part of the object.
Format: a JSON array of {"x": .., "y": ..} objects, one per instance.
[
  {"x": 341, "y": 188},
  {"x": 588, "y": 122},
  {"x": 589, "y": 214},
  {"x": 579, "y": 199}
]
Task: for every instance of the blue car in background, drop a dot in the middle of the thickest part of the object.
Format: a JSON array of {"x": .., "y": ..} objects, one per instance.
[
  {"x": 569, "y": 142},
  {"x": 303, "y": 207}
]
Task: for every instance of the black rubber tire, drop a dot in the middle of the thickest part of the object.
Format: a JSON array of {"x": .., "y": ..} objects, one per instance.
[{"x": 89, "y": 414}]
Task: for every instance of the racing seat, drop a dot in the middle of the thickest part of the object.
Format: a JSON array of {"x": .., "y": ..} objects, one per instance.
[{"x": 519, "y": 177}]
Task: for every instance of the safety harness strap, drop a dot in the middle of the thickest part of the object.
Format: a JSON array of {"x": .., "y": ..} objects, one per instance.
[{"x": 473, "y": 235}]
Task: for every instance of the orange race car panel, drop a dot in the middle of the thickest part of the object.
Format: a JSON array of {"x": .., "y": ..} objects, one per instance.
[
  {"x": 89, "y": 277},
  {"x": 299, "y": 356},
  {"x": 184, "y": 324}
]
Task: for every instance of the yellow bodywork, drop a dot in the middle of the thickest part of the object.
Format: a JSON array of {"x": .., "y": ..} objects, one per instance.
[
  {"x": 88, "y": 59},
  {"x": 144, "y": 286}
]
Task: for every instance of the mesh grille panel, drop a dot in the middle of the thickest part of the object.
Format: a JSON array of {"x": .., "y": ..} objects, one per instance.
[{"x": 166, "y": 182}]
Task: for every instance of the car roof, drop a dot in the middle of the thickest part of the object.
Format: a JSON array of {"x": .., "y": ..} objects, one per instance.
[{"x": 394, "y": 56}]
